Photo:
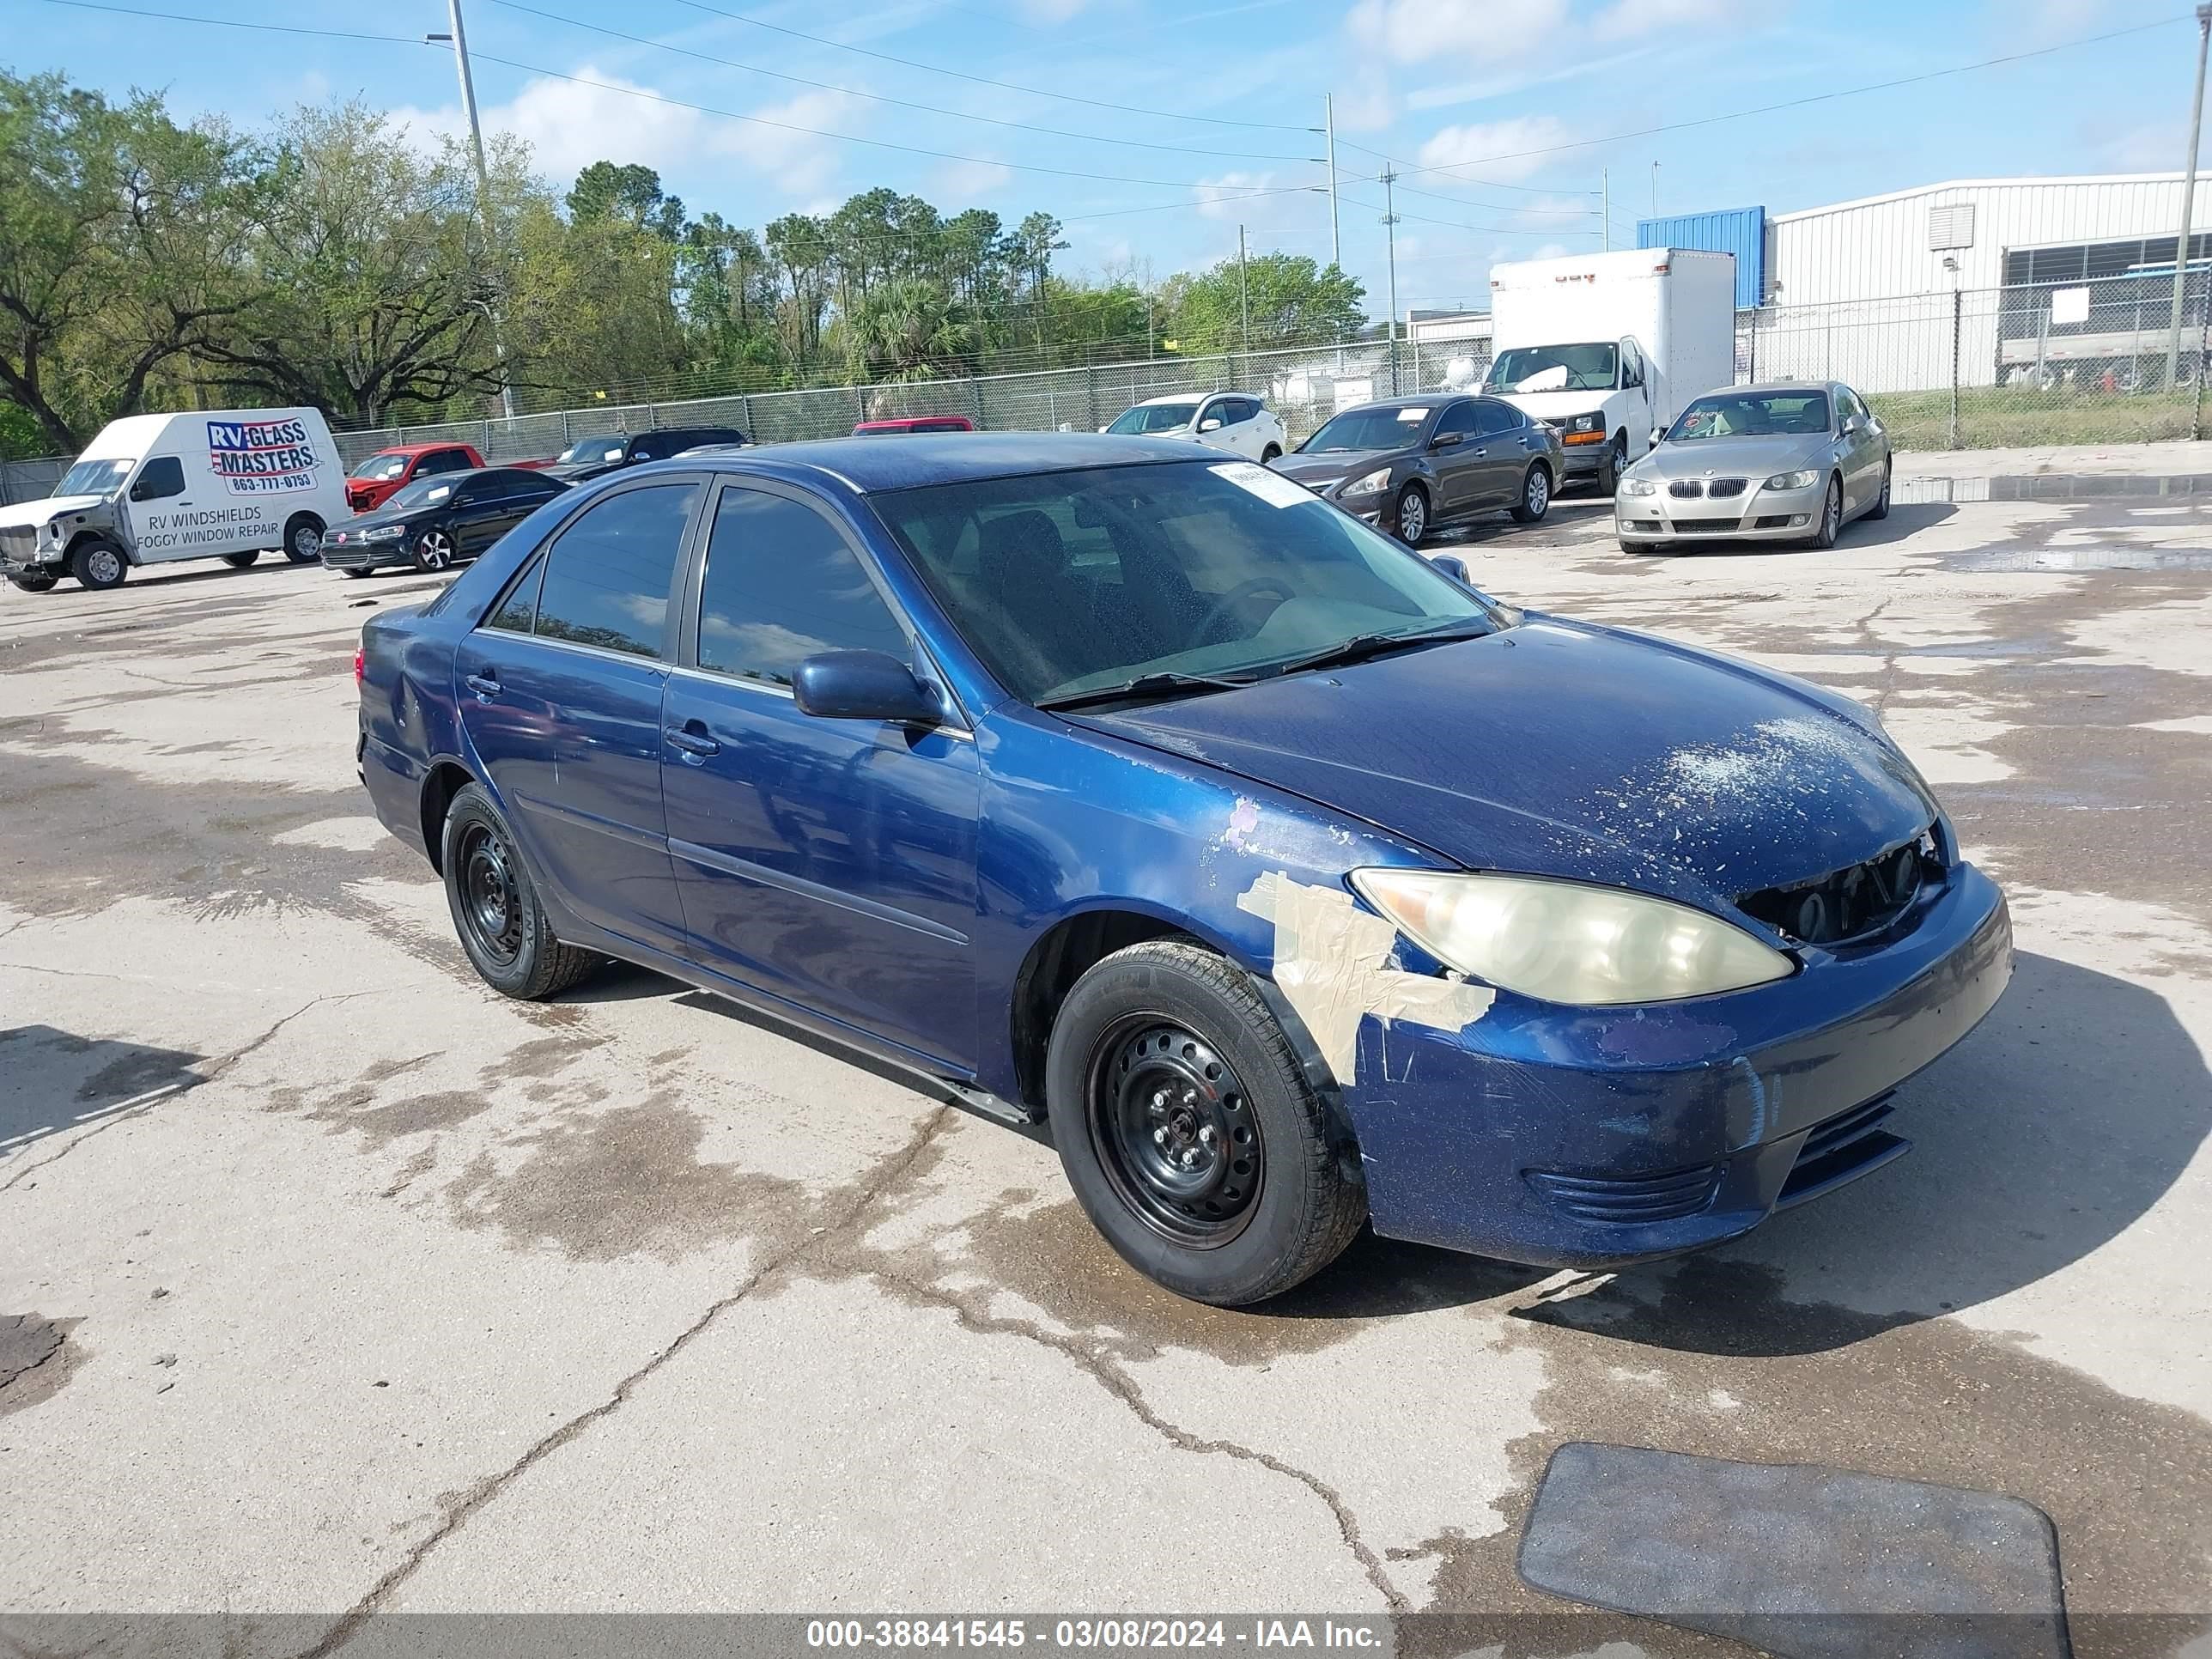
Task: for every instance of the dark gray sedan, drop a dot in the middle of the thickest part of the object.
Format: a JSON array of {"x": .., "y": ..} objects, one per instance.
[
  {"x": 1789, "y": 462},
  {"x": 1412, "y": 465}
]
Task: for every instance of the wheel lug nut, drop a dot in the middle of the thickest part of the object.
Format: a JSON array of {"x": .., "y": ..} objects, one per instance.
[
  {"x": 1206, "y": 1135},
  {"x": 1190, "y": 1158},
  {"x": 1159, "y": 1137}
]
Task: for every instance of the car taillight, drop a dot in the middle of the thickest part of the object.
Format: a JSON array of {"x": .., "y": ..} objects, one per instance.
[{"x": 360, "y": 667}]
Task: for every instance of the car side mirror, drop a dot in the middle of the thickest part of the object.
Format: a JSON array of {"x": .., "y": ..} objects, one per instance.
[
  {"x": 1209, "y": 426},
  {"x": 1454, "y": 567},
  {"x": 1447, "y": 440},
  {"x": 1658, "y": 436},
  {"x": 863, "y": 685},
  {"x": 1852, "y": 423}
]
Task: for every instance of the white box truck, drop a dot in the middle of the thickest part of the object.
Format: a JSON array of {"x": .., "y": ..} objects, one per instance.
[
  {"x": 1607, "y": 346},
  {"x": 220, "y": 483}
]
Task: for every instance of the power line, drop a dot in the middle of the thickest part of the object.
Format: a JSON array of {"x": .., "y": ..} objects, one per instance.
[
  {"x": 1488, "y": 183},
  {"x": 882, "y": 98},
  {"x": 234, "y": 23},
  {"x": 985, "y": 80},
  {"x": 1450, "y": 168},
  {"x": 1493, "y": 230}
]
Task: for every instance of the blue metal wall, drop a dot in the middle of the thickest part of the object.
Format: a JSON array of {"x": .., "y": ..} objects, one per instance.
[{"x": 1740, "y": 231}]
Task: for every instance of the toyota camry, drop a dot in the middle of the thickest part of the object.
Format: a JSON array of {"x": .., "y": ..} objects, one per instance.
[{"x": 1292, "y": 883}]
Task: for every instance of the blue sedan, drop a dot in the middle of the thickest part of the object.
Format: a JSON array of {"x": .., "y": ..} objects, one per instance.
[{"x": 1292, "y": 882}]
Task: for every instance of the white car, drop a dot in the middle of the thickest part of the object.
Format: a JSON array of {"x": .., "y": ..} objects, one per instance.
[{"x": 1233, "y": 421}]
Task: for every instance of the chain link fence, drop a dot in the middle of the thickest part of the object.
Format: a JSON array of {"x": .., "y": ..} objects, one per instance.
[{"x": 2062, "y": 363}]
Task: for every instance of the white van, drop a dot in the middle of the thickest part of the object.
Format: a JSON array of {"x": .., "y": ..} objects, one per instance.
[{"x": 150, "y": 489}]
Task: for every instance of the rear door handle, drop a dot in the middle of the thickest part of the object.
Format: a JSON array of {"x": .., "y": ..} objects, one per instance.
[
  {"x": 484, "y": 685},
  {"x": 693, "y": 742}
]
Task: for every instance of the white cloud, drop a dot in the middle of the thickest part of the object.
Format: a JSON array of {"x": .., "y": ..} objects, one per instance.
[
  {"x": 1420, "y": 31},
  {"x": 1369, "y": 105},
  {"x": 963, "y": 184},
  {"x": 568, "y": 124},
  {"x": 1226, "y": 198},
  {"x": 1506, "y": 150}
]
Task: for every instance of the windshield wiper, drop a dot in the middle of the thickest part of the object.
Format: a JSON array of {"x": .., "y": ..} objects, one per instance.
[
  {"x": 1361, "y": 646},
  {"x": 1145, "y": 685}
]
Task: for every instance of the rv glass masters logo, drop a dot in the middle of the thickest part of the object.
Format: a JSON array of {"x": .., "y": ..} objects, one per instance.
[{"x": 261, "y": 458}]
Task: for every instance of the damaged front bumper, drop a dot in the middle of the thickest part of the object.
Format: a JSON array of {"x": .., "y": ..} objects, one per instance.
[{"x": 1592, "y": 1138}]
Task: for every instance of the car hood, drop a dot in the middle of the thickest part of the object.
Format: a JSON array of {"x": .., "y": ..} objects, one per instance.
[
  {"x": 1559, "y": 749},
  {"x": 36, "y": 513},
  {"x": 1733, "y": 458},
  {"x": 371, "y": 520},
  {"x": 1319, "y": 472}
]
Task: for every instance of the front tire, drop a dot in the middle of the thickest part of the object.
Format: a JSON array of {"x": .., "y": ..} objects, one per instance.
[
  {"x": 496, "y": 910},
  {"x": 357, "y": 571},
  {"x": 34, "y": 581},
  {"x": 434, "y": 550},
  {"x": 98, "y": 564},
  {"x": 1187, "y": 1128},
  {"x": 303, "y": 538},
  {"x": 1535, "y": 495},
  {"x": 1412, "y": 514},
  {"x": 1608, "y": 468},
  {"x": 1881, "y": 507},
  {"x": 241, "y": 561},
  {"x": 1628, "y": 546},
  {"x": 1270, "y": 454},
  {"x": 1832, "y": 518}
]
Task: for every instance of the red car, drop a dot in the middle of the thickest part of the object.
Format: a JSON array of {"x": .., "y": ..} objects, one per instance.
[
  {"x": 380, "y": 478},
  {"x": 914, "y": 423}
]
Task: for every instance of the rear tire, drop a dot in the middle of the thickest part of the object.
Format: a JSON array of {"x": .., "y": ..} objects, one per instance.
[
  {"x": 303, "y": 538},
  {"x": 1535, "y": 495},
  {"x": 98, "y": 564},
  {"x": 357, "y": 571},
  {"x": 35, "y": 581},
  {"x": 496, "y": 910},
  {"x": 241, "y": 561},
  {"x": 1187, "y": 1131}
]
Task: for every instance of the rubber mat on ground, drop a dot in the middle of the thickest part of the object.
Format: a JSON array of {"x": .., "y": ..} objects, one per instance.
[{"x": 1804, "y": 1561}]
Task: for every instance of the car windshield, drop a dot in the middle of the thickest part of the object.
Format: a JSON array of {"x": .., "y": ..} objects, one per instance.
[
  {"x": 1751, "y": 414},
  {"x": 423, "y": 492},
  {"x": 1379, "y": 426},
  {"x": 380, "y": 469},
  {"x": 1069, "y": 582},
  {"x": 1556, "y": 369},
  {"x": 1155, "y": 417},
  {"x": 95, "y": 477},
  {"x": 592, "y": 451}
]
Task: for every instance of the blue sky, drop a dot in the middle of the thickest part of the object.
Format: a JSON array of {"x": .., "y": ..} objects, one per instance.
[{"x": 1474, "y": 99}]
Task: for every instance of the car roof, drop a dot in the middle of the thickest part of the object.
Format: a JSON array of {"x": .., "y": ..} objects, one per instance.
[
  {"x": 1412, "y": 400},
  {"x": 939, "y": 457},
  {"x": 1195, "y": 397},
  {"x": 1763, "y": 388},
  {"x": 424, "y": 449}
]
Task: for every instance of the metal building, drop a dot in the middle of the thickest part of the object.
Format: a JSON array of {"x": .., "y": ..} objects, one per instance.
[{"x": 1993, "y": 280}]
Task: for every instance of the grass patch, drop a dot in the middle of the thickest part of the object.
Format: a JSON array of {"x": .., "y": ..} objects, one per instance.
[{"x": 2004, "y": 418}]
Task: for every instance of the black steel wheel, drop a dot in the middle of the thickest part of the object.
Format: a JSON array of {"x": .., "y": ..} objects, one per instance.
[
  {"x": 1174, "y": 1130},
  {"x": 501, "y": 925},
  {"x": 1190, "y": 1129}
]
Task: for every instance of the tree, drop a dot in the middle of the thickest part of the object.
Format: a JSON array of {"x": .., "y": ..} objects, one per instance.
[
  {"x": 1292, "y": 302},
  {"x": 802, "y": 245},
  {"x": 910, "y": 329},
  {"x": 379, "y": 288},
  {"x": 631, "y": 193}
]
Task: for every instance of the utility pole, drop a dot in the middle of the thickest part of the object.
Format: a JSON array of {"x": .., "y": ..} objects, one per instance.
[
  {"x": 1655, "y": 190},
  {"x": 1149, "y": 298},
  {"x": 2189, "y": 195},
  {"x": 1389, "y": 178},
  {"x": 460, "y": 43},
  {"x": 1605, "y": 178},
  {"x": 1328, "y": 126},
  {"x": 1243, "y": 290}
]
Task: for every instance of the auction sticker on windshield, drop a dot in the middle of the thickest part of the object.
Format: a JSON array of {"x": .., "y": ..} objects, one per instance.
[
  {"x": 1272, "y": 487},
  {"x": 1413, "y": 416}
]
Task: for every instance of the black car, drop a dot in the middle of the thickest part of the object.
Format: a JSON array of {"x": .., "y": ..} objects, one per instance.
[
  {"x": 1410, "y": 464},
  {"x": 610, "y": 452},
  {"x": 440, "y": 520}
]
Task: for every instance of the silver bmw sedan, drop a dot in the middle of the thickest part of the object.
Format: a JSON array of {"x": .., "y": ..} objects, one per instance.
[{"x": 1792, "y": 461}]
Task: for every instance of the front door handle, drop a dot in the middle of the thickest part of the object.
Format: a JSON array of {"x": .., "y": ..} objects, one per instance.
[
  {"x": 1480, "y": 454},
  {"x": 484, "y": 685},
  {"x": 693, "y": 740}
]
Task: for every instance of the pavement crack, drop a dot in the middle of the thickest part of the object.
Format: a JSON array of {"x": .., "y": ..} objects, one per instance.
[
  {"x": 1122, "y": 1387},
  {"x": 887, "y": 1174}
]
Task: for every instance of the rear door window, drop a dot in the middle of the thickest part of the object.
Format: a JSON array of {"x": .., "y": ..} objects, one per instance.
[
  {"x": 607, "y": 577},
  {"x": 1493, "y": 419}
]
